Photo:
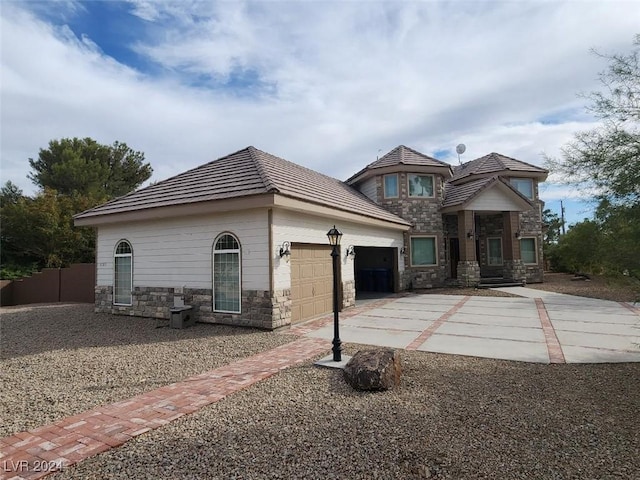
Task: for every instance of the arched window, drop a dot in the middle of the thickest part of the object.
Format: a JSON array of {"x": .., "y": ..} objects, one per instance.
[
  {"x": 226, "y": 274},
  {"x": 123, "y": 274}
]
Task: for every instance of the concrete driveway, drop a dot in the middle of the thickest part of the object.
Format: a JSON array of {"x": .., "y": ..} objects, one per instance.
[{"x": 539, "y": 327}]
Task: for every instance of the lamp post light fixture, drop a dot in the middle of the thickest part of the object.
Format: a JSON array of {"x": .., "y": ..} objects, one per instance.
[{"x": 334, "y": 240}]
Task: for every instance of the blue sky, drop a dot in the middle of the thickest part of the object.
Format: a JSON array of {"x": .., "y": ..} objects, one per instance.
[{"x": 328, "y": 85}]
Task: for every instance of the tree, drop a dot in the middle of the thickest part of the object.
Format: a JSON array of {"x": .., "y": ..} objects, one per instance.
[
  {"x": 39, "y": 232},
  {"x": 552, "y": 224},
  {"x": 608, "y": 157},
  {"x": 73, "y": 175},
  {"x": 580, "y": 250},
  {"x": 85, "y": 167}
]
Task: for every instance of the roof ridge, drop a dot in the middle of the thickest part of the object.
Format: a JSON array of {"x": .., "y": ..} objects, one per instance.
[{"x": 269, "y": 184}]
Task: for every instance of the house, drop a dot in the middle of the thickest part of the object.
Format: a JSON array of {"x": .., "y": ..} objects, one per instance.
[{"x": 243, "y": 238}]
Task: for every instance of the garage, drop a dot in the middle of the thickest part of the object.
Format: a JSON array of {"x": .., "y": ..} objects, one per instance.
[
  {"x": 375, "y": 269},
  {"x": 311, "y": 281}
]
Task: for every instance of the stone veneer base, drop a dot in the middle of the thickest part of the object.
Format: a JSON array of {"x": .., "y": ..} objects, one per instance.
[{"x": 259, "y": 308}]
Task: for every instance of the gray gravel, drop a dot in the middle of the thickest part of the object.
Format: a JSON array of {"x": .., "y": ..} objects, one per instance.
[
  {"x": 453, "y": 417},
  {"x": 61, "y": 360}
]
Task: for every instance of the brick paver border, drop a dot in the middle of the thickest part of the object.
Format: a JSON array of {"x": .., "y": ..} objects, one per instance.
[
  {"x": 553, "y": 344},
  {"x": 39, "y": 452},
  {"x": 431, "y": 329}
]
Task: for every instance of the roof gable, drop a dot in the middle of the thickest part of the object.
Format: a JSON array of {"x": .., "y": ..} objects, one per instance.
[
  {"x": 488, "y": 193},
  {"x": 496, "y": 163},
  {"x": 247, "y": 172}
]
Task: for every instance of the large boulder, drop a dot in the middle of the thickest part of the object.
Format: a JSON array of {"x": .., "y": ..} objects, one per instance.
[{"x": 374, "y": 370}]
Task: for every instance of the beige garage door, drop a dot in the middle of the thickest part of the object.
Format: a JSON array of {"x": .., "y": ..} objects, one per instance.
[{"x": 311, "y": 281}]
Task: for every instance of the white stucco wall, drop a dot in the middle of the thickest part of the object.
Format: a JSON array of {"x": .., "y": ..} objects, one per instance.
[
  {"x": 177, "y": 252},
  {"x": 493, "y": 200},
  {"x": 304, "y": 228}
]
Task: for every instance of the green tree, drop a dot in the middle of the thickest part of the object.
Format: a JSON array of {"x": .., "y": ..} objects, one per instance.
[
  {"x": 73, "y": 175},
  {"x": 73, "y": 166},
  {"x": 580, "y": 249},
  {"x": 607, "y": 158},
  {"x": 39, "y": 232},
  {"x": 552, "y": 226}
]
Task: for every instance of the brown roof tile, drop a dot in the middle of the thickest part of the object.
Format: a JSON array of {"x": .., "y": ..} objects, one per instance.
[
  {"x": 400, "y": 155},
  {"x": 406, "y": 156},
  {"x": 247, "y": 172},
  {"x": 494, "y": 163}
]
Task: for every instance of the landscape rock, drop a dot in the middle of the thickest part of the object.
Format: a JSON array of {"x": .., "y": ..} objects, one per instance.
[{"x": 374, "y": 370}]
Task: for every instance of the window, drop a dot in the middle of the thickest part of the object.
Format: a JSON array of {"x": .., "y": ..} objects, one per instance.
[
  {"x": 528, "y": 250},
  {"x": 391, "y": 186},
  {"x": 123, "y": 274},
  {"x": 423, "y": 251},
  {"x": 420, "y": 185},
  {"x": 226, "y": 274},
  {"x": 524, "y": 186},
  {"x": 494, "y": 251}
]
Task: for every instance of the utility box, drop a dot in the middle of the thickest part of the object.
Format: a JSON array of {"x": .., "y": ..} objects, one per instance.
[{"x": 181, "y": 317}]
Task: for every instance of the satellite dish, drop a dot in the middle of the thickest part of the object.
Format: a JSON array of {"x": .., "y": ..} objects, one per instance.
[{"x": 460, "y": 149}]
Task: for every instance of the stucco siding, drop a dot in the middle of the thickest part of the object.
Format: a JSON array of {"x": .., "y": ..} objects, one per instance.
[
  {"x": 493, "y": 200},
  {"x": 177, "y": 252},
  {"x": 304, "y": 228}
]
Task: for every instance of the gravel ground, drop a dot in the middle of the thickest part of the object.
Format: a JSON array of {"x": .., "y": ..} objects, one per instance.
[
  {"x": 453, "y": 417},
  {"x": 60, "y": 360},
  {"x": 619, "y": 290}
]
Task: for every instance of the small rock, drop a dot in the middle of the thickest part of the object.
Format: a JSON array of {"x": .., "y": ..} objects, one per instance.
[{"x": 374, "y": 370}]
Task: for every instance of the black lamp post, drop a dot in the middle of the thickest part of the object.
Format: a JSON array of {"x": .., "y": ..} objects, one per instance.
[{"x": 334, "y": 240}]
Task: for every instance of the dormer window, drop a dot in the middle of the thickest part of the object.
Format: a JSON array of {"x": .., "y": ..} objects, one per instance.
[
  {"x": 420, "y": 185},
  {"x": 391, "y": 186},
  {"x": 524, "y": 186}
]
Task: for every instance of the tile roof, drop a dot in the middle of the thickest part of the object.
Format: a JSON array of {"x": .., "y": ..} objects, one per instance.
[
  {"x": 494, "y": 163},
  {"x": 400, "y": 155},
  {"x": 246, "y": 172},
  {"x": 406, "y": 156},
  {"x": 459, "y": 194}
]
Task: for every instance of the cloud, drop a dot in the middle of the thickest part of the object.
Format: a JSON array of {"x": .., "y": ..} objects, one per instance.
[{"x": 323, "y": 84}]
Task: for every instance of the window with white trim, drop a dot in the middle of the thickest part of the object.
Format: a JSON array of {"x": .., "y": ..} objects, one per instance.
[
  {"x": 391, "y": 186},
  {"x": 494, "y": 251},
  {"x": 123, "y": 273},
  {"x": 226, "y": 274},
  {"x": 420, "y": 185},
  {"x": 524, "y": 186},
  {"x": 528, "y": 251},
  {"x": 423, "y": 251}
]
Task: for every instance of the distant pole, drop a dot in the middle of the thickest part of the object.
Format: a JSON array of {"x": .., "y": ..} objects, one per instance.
[{"x": 562, "y": 217}]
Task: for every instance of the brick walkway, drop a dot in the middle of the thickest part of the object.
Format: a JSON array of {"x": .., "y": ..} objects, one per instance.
[{"x": 38, "y": 452}]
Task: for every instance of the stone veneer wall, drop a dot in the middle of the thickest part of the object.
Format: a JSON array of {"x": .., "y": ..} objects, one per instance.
[
  {"x": 259, "y": 308},
  {"x": 515, "y": 270},
  {"x": 468, "y": 273},
  {"x": 426, "y": 219},
  {"x": 348, "y": 294},
  {"x": 531, "y": 226}
]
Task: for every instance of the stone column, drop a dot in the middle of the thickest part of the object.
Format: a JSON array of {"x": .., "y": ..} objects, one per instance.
[{"x": 468, "y": 267}]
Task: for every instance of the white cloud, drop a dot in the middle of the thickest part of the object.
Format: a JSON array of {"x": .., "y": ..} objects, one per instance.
[{"x": 341, "y": 80}]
